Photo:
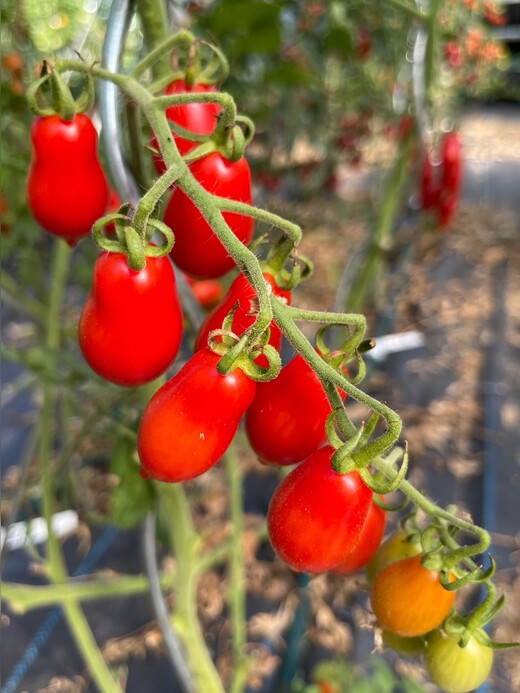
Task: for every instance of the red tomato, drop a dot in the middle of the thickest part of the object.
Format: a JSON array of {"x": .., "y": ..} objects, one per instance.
[
  {"x": 190, "y": 421},
  {"x": 241, "y": 295},
  {"x": 408, "y": 599},
  {"x": 457, "y": 669},
  {"x": 315, "y": 516},
  {"x": 199, "y": 118},
  {"x": 131, "y": 324},
  {"x": 66, "y": 188},
  {"x": 429, "y": 188},
  {"x": 208, "y": 292},
  {"x": 368, "y": 542},
  {"x": 451, "y": 162},
  {"x": 286, "y": 421},
  {"x": 197, "y": 250}
]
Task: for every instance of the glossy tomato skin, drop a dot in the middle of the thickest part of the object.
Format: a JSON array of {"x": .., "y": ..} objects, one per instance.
[
  {"x": 394, "y": 548},
  {"x": 130, "y": 327},
  {"x": 315, "y": 515},
  {"x": 66, "y": 188},
  {"x": 408, "y": 599},
  {"x": 242, "y": 296},
  {"x": 197, "y": 250},
  {"x": 190, "y": 421},
  {"x": 286, "y": 422},
  {"x": 457, "y": 669},
  {"x": 199, "y": 118},
  {"x": 368, "y": 542}
]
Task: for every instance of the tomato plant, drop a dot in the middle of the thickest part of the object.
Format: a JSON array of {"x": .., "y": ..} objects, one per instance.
[
  {"x": 394, "y": 548},
  {"x": 286, "y": 421},
  {"x": 197, "y": 250},
  {"x": 66, "y": 188},
  {"x": 316, "y": 515},
  {"x": 368, "y": 542},
  {"x": 198, "y": 118},
  {"x": 409, "y": 600},
  {"x": 190, "y": 421},
  {"x": 457, "y": 669},
  {"x": 130, "y": 327},
  {"x": 241, "y": 298}
]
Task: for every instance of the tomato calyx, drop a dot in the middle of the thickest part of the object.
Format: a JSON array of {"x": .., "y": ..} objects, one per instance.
[
  {"x": 236, "y": 353},
  {"x": 282, "y": 262},
  {"x": 129, "y": 242},
  {"x": 49, "y": 95}
]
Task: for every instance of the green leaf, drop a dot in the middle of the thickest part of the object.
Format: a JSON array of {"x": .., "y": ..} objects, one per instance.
[
  {"x": 290, "y": 74},
  {"x": 133, "y": 497}
]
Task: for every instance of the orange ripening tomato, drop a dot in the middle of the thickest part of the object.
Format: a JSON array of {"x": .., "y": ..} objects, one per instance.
[{"x": 409, "y": 600}]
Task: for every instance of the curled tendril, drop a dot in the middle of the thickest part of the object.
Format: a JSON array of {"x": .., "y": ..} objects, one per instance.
[
  {"x": 330, "y": 430},
  {"x": 56, "y": 95}
]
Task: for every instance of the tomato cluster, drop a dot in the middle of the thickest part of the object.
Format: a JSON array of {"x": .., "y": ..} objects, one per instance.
[{"x": 440, "y": 184}]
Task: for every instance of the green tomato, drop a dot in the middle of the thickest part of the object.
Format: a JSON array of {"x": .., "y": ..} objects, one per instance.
[
  {"x": 408, "y": 647},
  {"x": 457, "y": 669},
  {"x": 394, "y": 548}
]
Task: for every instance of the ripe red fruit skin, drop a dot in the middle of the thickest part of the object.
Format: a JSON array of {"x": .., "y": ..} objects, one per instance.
[
  {"x": 315, "y": 515},
  {"x": 66, "y": 187},
  {"x": 242, "y": 295},
  {"x": 197, "y": 250},
  {"x": 199, "y": 118},
  {"x": 130, "y": 327},
  {"x": 190, "y": 421},
  {"x": 368, "y": 542},
  {"x": 286, "y": 421}
]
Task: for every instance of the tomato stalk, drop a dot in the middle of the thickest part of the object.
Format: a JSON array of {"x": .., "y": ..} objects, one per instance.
[
  {"x": 184, "y": 619},
  {"x": 236, "y": 590},
  {"x": 55, "y": 565}
]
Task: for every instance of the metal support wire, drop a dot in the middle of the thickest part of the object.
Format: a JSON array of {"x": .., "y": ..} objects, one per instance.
[{"x": 173, "y": 647}]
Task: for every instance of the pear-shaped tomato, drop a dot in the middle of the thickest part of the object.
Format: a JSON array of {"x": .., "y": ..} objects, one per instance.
[
  {"x": 286, "y": 421},
  {"x": 315, "y": 516},
  {"x": 130, "y": 327},
  {"x": 198, "y": 118},
  {"x": 190, "y": 421},
  {"x": 66, "y": 188},
  {"x": 242, "y": 297},
  {"x": 197, "y": 249}
]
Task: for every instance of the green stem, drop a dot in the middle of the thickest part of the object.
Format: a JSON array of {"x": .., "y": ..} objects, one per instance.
[
  {"x": 236, "y": 591},
  {"x": 378, "y": 446},
  {"x": 185, "y": 543},
  {"x": 432, "y": 27},
  {"x": 154, "y": 22},
  {"x": 409, "y": 8},
  {"x": 56, "y": 566},
  {"x": 22, "y": 598}
]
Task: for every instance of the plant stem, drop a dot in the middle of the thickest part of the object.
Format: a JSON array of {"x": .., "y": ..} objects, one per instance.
[
  {"x": 154, "y": 21},
  {"x": 185, "y": 543},
  {"x": 56, "y": 565},
  {"x": 409, "y": 8},
  {"x": 236, "y": 591}
]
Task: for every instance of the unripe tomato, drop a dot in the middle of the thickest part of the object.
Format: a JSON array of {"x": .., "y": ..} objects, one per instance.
[
  {"x": 190, "y": 421},
  {"x": 66, "y": 188},
  {"x": 242, "y": 296},
  {"x": 457, "y": 669},
  {"x": 315, "y": 515},
  {"x": 409, "y": 647},
  {"x": 197, "y": 249},
  {"x": 286, "y": 421},
  {"x": 394, "y": 548},
  {"x": 409, "y": 600},
  {"x": 130, "y": 327},
  {"x": 199, "y": 118},
  {"x": 368, "y": 542}
]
